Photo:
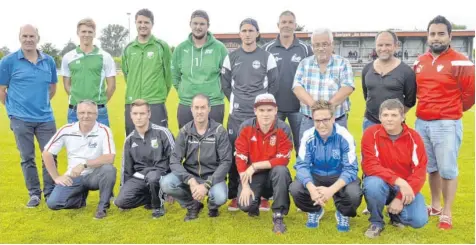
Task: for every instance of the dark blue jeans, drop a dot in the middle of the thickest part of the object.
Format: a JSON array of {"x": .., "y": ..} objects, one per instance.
[
  {"x": 294, "y": 119},
  {"x": 102, "y": 116},
  {"x": 25, "y": 133}
]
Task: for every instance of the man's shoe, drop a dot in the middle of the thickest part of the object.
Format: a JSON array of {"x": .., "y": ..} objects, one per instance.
[
  {"x": 395, "y": 221},
  {"x": 100, "y": 214},
  {"x": 212, "y": 213},
  {"x": 264, "y": 206},
  {"x": 193, "y": 211},
  {"x": 365, "y": 211},
  {"x": 253, "y": 213},
  {"x": 342, "y": 222},
  {"x": 314, "y": 218},
  {"x": 33, "y": 202},
  {"x": 158, "y": 212},
  {"x": 373, "y": 231},
  {"x": 433, "y": 211},
  {"x": 445, "y": 222},
  {"x": 233, "y": 205},
  {"x": 148, "y": 206},
  {"x": 278, "y": 225}
]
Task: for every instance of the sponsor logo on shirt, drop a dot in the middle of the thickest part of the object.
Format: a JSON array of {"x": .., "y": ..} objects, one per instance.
[
  {"x": 237, "y": 64},
  {"x": 208, "y": 51},
  {"x": 272, "y": 140},
  {"x": 256, "y": 64},
  {"x": 78, "y": 61},
  {"x": 419, "y": 68},
  {"x": 185, "y": 50},
  {"x": 296, "y": 58},
  {"x": 336, "y": 154},
  {"x": 276, "y": 57},
  {"x": 134, "y": 145},
  {"x": 253, "y": 138},
  {"x": 154, "y": 143},
  {"x": 150, "y": 55},
  {"x": 439, "y": 68},
  {"x": 92, "y": 144}
]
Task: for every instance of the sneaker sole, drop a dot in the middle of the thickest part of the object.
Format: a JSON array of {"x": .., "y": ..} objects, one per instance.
[
  {"x": 233, "y": 209},
  {"x": 264, "y": 209}
]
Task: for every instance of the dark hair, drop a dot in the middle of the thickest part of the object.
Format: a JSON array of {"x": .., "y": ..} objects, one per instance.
[
  {"x": 252, "y": 22},
  {"x": 440, "y": 20},
  {"x": 202, "y": 96},
  {"x": 200, "y": 13},
  {"x": 147, "y": 13},
  {"x": 287, "y": 12},
  {"x": 394, "y": 36}
]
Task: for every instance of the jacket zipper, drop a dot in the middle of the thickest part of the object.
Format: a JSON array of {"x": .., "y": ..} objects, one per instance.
[
  {"x": 199, "y": 164},
  {"x": 141, "y": 72}
]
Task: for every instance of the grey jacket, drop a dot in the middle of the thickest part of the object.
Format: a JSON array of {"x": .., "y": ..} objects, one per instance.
[
  {"x": 151, "y": 153},
  {"x": 206, "y": 158}
]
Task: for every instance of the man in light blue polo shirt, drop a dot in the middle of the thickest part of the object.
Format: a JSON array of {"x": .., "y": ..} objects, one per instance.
[{"x": 27, "y": 84}]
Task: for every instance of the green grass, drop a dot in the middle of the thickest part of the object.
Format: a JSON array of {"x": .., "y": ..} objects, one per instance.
[{"x": 41, "y": 225}]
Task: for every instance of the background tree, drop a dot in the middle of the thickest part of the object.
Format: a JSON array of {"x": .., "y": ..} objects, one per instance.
[
  {"x": 50, "y": 49},
  {"x": 458, "y": 27},
  {"x": 113, "y": 39},
  {"x": 70, "y": 45},
  {"x": 300, "y": 28},
  {"x": 5, "y": 50}
]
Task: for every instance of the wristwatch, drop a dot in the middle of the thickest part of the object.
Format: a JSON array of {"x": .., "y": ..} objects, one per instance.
[{"x": 85, "y": 165}]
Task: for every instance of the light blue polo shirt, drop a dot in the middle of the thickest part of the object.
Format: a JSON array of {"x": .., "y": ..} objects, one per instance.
[{"x": 28, "y": 86}]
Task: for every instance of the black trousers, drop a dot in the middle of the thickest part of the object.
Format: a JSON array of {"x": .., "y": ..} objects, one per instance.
[
  {"x": 346, "y": 200},
  {"x": 233, "y": 176},
  {"x": 137, "y": 192},
  {"x": 274, "y": 182}
]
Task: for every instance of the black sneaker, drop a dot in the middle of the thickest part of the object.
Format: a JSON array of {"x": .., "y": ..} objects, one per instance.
[
  {"x": 212, "y": 213},
  {"x": 100, "y": 213},
  {"x": 33, "y": 202},
  {"x": 193, "y": 211},
  {"x": 158, "y": 212},
  {"x": 148, "y": 206},
  {"x": 395, "y": 221},
  {"x": 278, "y": 225},
  {"x": 254, "y": 212}
]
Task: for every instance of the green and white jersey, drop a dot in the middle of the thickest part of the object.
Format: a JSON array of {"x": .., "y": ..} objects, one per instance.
[{"x": 88, "y": 73}]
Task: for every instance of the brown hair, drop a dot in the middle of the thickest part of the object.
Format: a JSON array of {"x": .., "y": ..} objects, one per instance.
[
  {"x": 392, "y": 104},
  {"x": 140, "y": 102},
  {"x": 87, "y": 22},
  {"x": 323, "y": 105}
]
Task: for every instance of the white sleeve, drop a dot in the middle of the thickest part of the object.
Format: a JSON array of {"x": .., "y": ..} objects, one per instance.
[
  {"x": 108, "y": 146},
  {"x": 56, "y": 142},
  {"x": 65, "y": 66},
  {"x": 109, "y": 65}
]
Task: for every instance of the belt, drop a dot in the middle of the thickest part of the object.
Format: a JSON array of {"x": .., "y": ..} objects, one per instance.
[
  {"x": 338, "y": 118},
  {"x": 74, "y": 106}
]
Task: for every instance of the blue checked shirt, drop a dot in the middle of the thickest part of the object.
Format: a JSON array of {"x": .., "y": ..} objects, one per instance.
[{"x": 324, "y": 85}]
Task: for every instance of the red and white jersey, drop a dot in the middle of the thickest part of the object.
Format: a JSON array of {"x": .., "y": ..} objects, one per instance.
[
  {"x": 445, "y": 85},
  {"x": 79, "y": 147}
]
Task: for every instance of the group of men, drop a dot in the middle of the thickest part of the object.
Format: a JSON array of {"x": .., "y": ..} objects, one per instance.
[{"x": 285, "y": 79}]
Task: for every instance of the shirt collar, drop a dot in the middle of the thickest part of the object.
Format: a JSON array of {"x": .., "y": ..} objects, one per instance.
[
  {"x": 21, "y": 55},
  {"x": 295, "y": 41},
  {"x": 137, "y": 135},
  {"x": 80, "y": 51},
  {"x": 77, "y": 130}
]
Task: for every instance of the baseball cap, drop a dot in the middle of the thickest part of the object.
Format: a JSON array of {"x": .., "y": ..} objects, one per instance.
[{"x": 265, "y": 99}]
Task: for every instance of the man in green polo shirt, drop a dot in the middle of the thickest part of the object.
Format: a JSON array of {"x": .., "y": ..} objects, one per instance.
[
  {"x": 146, "y": 68},
  {"x": 88, "y": 73}
]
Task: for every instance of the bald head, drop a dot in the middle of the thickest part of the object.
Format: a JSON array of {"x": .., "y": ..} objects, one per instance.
[{"x": 29, "y": 38}]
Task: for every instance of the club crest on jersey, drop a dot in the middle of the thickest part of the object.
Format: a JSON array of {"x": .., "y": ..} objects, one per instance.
[
  {"x": 92, "y": 144},
  {"x": 419, "y": 68},
  {"x": 150, "y": 55},
  {"x": 208, "y": 51},
  {"x": 336, "y": 154},
  {"x": 439, "y": 68},
  {"x": 154, "y": 143},
  {"x": 272, "y": 140},
  {"x": 256, "y": 64}
]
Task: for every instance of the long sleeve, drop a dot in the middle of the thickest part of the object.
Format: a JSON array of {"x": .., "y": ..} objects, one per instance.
[
  {"x": 464, "y": 72},
  {"x": 124, "y": 65},
  {"x": 167, "y": 58},
  {"x": 226, "y": 77},
  {"x": 371, "y": 165},
  {"x": 225, "y": 155},
  {"x": 127, "y": 163},
  {"x": 176, "y": 69},
  {"x": 420, "y": 160},
  {"x": 168, "y": 145},
  {"x": 272, "y": 75},
  {"x": 348, "y": 159},
  {"x": 177, "y": 157},
  {"x": 242, "y": 149},
  {"x": 304, "y": 162}
]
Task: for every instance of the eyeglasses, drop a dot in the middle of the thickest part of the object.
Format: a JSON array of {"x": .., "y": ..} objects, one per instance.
[
  {"x": 324, "y": 121},
  {"x": 82, "y": 113},
  {"x": 321, "y": 45}
]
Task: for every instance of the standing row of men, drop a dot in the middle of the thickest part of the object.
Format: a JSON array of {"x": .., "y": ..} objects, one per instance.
[{"x": 245, "y": 73}]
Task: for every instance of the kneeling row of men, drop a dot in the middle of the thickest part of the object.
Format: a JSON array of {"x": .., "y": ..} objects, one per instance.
[{"x": 195, "y": 165}]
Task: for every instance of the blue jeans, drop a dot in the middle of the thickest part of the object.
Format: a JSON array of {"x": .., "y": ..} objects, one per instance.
[
  {"x": 378, "y": 193},
  {"x": 307, "y": 123},
  {"x": 102, "y": 116},
  {"x": 71, "y": 197},
  {"x": 171, "y": 185},
  {"x": 442, "y": 139},
  {"x": 294, "y": 119},
  {"x": 367, "y": 123},
  {"x": 25, "y": 133}
]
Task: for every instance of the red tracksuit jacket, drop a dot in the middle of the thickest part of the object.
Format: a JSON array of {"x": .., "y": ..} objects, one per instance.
[
  {"x": 405, "y": 158},
  {"x": 252, "y": 145},
  {"x": 445, "y": 85}
]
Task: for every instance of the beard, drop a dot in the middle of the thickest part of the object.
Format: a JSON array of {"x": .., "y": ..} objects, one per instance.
[
  {"x": 438, "y": 48},
  {"x": 199, "y": 37}
]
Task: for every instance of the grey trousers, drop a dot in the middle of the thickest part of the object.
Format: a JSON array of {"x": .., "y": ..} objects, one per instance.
[
  {"x": 294, "y": 119},
  {"x": 25, "y": 133},
  {"x": 158, "y": 117},
  {"x": 184, "y": 114},
  {"x": 71, "y": 197},
  {"x": 137, "y": 192}
]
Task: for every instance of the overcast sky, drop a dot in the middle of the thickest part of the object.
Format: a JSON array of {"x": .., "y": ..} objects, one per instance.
[{"x": 172, "y": 18}]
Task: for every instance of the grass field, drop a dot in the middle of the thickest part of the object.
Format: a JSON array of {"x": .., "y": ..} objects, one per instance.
[{"x": 41, "y": 225}]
